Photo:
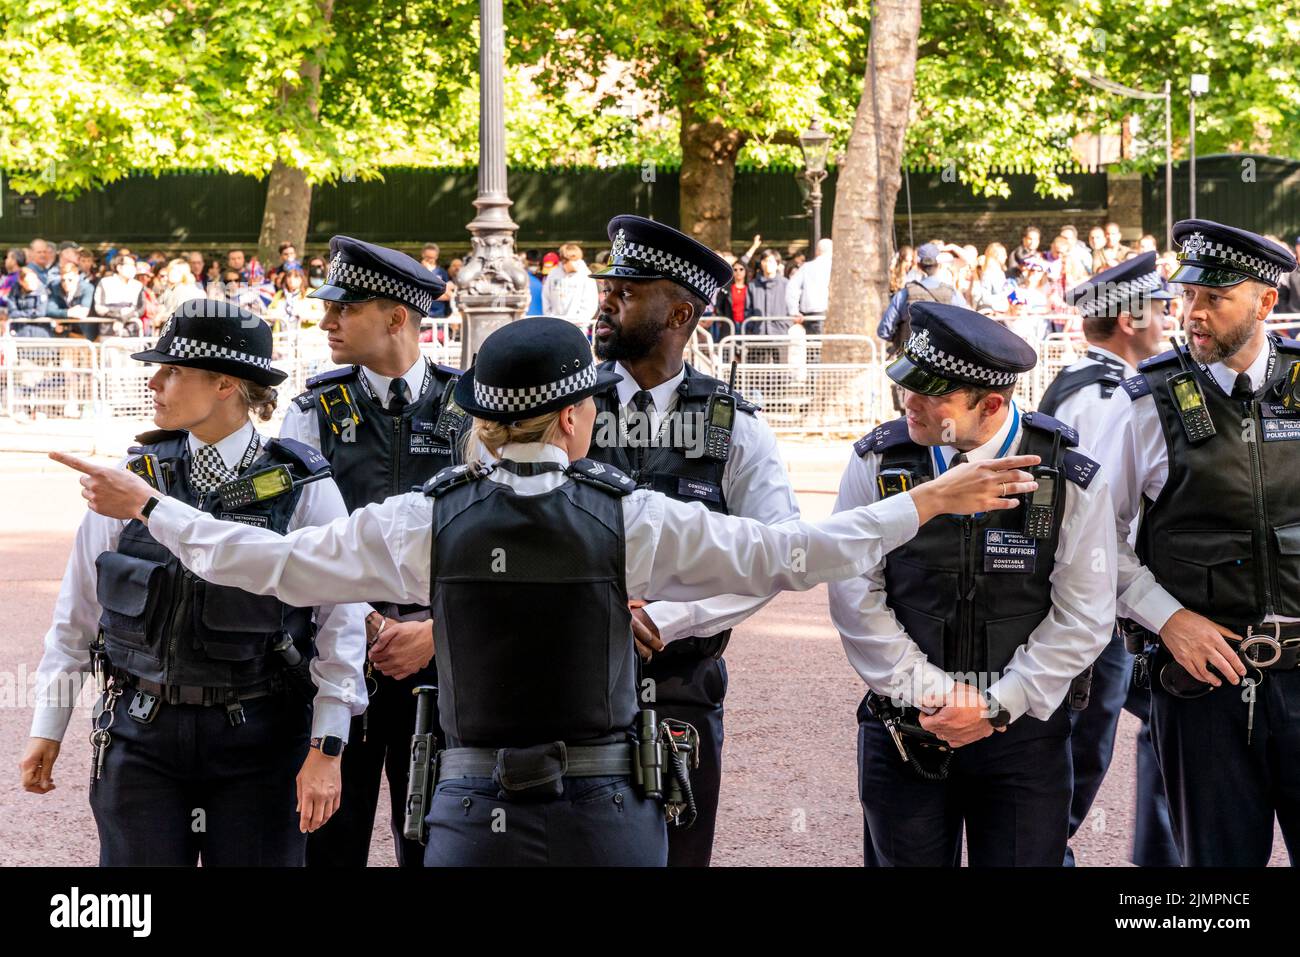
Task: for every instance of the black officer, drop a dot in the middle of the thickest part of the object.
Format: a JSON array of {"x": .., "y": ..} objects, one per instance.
[
  {"x": 387, "y": 424},
  {"x": 1124, "y": 320},
  {"x": 207, "y": 705},
  {"x": 687, "y": 435},
  {"x": 1205, "y": 444},
  {"x": 982, "y": 622},
  {"x": 530, "y": 564}
]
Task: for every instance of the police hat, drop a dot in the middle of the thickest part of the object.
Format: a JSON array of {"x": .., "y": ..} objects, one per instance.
[
  {"x": 644, "y": 249},
  {"x": 361, "y": 271},
  {"x": 530, "y": 367},
  {"x": 1217, "y": 255},
  {"x": 1121, "y": 288},
  {"x": 953, "y": 348},
  {"x": 215, "y": 335}
]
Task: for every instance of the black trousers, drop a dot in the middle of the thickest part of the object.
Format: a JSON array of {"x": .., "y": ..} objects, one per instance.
[
  {"x": 379, "y": 743},
  {"x": 691, "y": 688},
  {"x": 598, "y": 821},
  {"x": 1009, "y": 792},
  {"x": 1223, "y": 791},
  {"x": 1092, "y": 746},
  {"x": 189, "y": 786}
]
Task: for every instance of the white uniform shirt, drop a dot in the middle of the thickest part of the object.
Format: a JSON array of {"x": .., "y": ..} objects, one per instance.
[
  {"x": 676, "y": 551},
  {"x": 1086, "y": 407},
  {"x": 305, "y": 427},
  {"x": 755, "y": 484},
  {"x": 340, "y": 639},
  {"x": 1133, "y": 453},
  {"x": 1068, "y": 640}
]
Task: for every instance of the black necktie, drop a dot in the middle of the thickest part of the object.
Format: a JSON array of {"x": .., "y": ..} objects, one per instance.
[
  {"x": 641, "y": 401},
  {"x": 958, "y": 459},
  {"x": 397, "y": 398},
  {"x": 1242, "y": 389}
]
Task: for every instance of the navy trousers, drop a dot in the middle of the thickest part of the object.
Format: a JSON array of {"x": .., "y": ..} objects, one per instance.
[
  {"x": 599, "y": 821},
  {"x": 1092, "y": 745},
  {"x": 381, "y": 746},
  {"x": 1223, "y": 791},
  {"x": 1009, "y": 792},
  {"x": 191, "y": 786},
  {"x": 691, "y": 688}
]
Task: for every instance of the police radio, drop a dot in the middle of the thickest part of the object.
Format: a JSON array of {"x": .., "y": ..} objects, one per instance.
[
  {"x": 339, "y": 408},
  {"x": 262, "y": 485},
  {"x": 719, "y": 419},
  {"x": 146, "y": 466},
  {"x": 1189, "y": 400},
  {"x": 1040, "y": 513},
  {"x": 894, "y": 482},
  {"x": 451, "y": 418}
]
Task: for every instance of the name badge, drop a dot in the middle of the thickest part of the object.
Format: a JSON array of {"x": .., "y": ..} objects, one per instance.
[
  {"x": 421, "y": 425},
  {"x": 1281, "y": 430},
  {"x": 261, "y": 521},
  {"x": 694, "y": 488},
  {"x": 1006, "y": 551},
  {"x": 427, "y": 445}
]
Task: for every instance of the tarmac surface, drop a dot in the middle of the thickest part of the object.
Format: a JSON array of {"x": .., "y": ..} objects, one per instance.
[{"x": 789, "y": 791}]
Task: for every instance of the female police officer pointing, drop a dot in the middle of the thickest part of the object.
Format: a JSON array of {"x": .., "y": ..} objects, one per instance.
[
  {"x": 528, "y": 566},
  {"x": 202, "y": 728}
]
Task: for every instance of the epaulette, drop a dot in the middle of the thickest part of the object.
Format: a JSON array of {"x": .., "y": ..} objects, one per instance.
[
  {"x": 884, "y": 436},
  {"x": 1078, "y": 468},
  {"x": 448, "y": 371},
  {"x": 700, "y": 386},
  {"x": 1045, "y": 423},
  {"x": 1110, "y": 381},
  {"x": 1136, "y": 386},
  {"x": 1288, "y": 345},
  {"x": 601, "y": 475},
  {"x": 1169, "y": 355},
  {"x": 304, "y": 400},
  {"x": 154, "y": 436},
  {"x": 301, "y": 453},
  {"x": 345, "y": 374},
  {"x": 454, "y": 475}
]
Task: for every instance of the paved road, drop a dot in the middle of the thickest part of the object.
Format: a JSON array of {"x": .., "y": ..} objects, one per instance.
[{"x": 789, "y": 788}]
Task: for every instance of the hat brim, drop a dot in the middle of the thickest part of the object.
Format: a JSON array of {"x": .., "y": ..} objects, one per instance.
[
  {"x": 915, "y": 378},
  {"x": 267, "y": 377},
  {"x": 340, "y": 294},
  {"x": 1197, "y": 275},
  {"x": 464, "y": 396},
  {"x": 628, "y": 272},
  {"x": 1159, "y": 294}
]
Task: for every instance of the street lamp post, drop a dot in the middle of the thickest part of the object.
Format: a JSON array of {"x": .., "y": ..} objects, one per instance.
[
  {"x": 492, "y": 287},
  {"x": 815, "y": 144},
  {"x": 1199, "y": 87}
]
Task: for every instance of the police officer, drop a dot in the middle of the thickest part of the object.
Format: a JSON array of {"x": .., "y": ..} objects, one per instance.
[
  {"x": 688, "y": 435},
  {"x": 529, "y": 565},
  {"x": 1123, "y": 310},
  {"x": 386, "y": 424},
  {"x": 207, "y": 704},
  {"x": 983, "y": 622},
  {"x": 1204, "y": 444}
]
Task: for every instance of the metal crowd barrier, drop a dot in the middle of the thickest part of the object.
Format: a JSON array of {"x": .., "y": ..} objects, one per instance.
[{"x": 802, "y": 382}]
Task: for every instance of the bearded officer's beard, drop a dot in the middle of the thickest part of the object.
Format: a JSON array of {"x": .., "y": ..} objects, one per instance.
[
  {"x": 1224, "y": 347},
  {"x": 625, "y": 345}
]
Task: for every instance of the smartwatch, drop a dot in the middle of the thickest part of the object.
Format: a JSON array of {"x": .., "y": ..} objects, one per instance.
[
  {"x": 149, "y": 506},
  {"x": 999, "y": 716},
  {"x": 331, "y": 745}
]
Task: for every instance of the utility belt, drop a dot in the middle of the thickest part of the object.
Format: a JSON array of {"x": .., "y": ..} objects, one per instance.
[
  {"x": 1270, "y": 646},
  {"x": 923, "y": 751},
  {"x": 149, "y": 695},
  {"x": 696, "y": 647}
]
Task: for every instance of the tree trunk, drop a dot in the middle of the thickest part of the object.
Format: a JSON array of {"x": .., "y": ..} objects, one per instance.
[
  {"x": 709, "y": 151},
  {"x": 288, "y": 194},
  {"x": 867, "y": 188}
]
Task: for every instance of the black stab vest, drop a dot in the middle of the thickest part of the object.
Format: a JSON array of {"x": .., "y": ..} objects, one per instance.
[
  {"x": 969, "y": 590},
  {"x": 669, "y": 470},
  {"x": 1070, "y": 381},
  {"x": 1223, "y": 536},
  {"x": 163, "y": 623},
  {"x": 529, "y": 602}
]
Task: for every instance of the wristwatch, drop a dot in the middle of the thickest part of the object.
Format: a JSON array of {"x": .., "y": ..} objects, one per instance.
[
  {"x": 149, "y": 506},
  {"x": 331, "y": 745},
  {"x": 999, "y": 716}
]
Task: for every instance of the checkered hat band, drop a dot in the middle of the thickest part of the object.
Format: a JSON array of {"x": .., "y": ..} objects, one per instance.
[
  {"x": 183, "y": 348},
  {"x": 1100, "y": 299},
  {"x": 924, "y": 352},
  {"x": 351, "y": 275},
  {"x": 500, "y": 399},
  {"x": 639, "y": 254},
  {"x": 1217, "y": 253}
]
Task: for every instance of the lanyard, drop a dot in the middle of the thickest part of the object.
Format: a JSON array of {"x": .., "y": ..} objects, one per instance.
[
  {"x": 250, "y": 453},
  {"x": 424, "y": 384},
  {"x": 941, "y": 467},
  {"x": 1268, "y": 371}
]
